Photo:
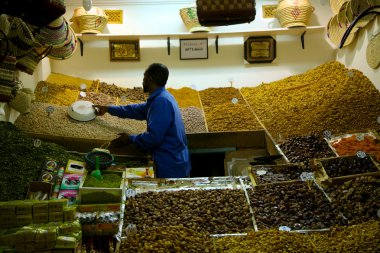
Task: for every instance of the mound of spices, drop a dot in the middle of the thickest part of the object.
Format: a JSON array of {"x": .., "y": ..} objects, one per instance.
[
  {"x": 167, "y": 239},
  {"x": 193, "y": 120},
  {"x": 358, "y": 199},
  {"x": 328, "y": 97},
  {"x": 186, "y": 97},
  {"x": 21, "y": 160}
]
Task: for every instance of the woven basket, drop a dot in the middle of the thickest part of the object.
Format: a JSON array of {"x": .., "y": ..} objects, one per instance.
[
  {"x": 356, "y": 7},
  {"x": 67, "y": 50},
  {"x": 335, "y": 32},
  {"x": 190, "y": 19},
  {"x": 92, "y": 21},
  {"x": 293, "y": 13},
  {"x": 336, "y": 5}
]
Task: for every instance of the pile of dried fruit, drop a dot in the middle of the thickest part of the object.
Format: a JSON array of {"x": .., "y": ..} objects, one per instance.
[
  {"x": 358, "y": 199},
  {"x": 278, "y": 173},
  {"x": 52, "y": 93},
  {"x": 167, "y": 239},
  {"x": 221, "y": 96},
  {"x": 21, "y": 160},
  {"x": 293, "y": 205},
  {"x": 212, "y": 211},
  {"x": 135, "y": 94},
  {"x": 303, "y": 148},
  {"x": 349, "y": 165},
  {"x": 193, "y": 120},
  {"x": 328, "y": 97}
]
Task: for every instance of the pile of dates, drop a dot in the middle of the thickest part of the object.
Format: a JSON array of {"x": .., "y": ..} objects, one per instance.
[{"x": 349, "y": 165}]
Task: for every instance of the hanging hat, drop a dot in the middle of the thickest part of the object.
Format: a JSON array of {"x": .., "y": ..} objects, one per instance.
[
  {"x": 20, "y": 37},
  {"x": 29, "y": 62},
  {"x": 92, "y": 21},
  {"x": 190, "y": 18},
  {"x": 8, "y": 86},
  {"x": 54, "y": 34},
  {"x": 67, "y": 50}
]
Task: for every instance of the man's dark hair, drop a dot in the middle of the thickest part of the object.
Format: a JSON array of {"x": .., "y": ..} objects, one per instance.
[{"x": 159, "y": 73}]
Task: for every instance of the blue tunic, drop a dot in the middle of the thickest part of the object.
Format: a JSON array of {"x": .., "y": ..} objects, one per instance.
[{"x": 165, "y": 136}]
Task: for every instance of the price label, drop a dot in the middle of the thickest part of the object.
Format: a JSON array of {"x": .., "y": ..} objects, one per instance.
[
  {"x": 307, "y": 176},
  {"x": 49, "y": 110},
  {"x": 193, "y": 86},
  {"x": 83, "y": 86},
  {"x": 284, "y": 228},
  {"x": 360, "y": 137},
  {"x": 261, "y": 172},
  {"x": 44, "y": 89},
  {"x": 123, "y": 99},
  {"x": 327, "y": 134},
  {"x": 82, "y": 94},
  {"x": 235, "y": 100},
  {"x": 130, "y": 193},
  {"x": 361, "y": 154},
  {"x": 37, "y": 143},
  {"x": 130, "y": 229},
  {"x": 350, "y": 74},
  {"x": 297, "y": 226}
]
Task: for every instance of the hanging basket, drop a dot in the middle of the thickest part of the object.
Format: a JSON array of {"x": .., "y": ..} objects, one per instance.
[
  {"x": 92, "y": 21},
  {"x": 293, "y": 13}
]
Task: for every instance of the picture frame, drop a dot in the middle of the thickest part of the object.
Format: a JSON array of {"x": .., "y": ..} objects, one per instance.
[
  {"x": 192, "y": 49},
  {"x": 124, "y": 50},
  {"x": 260, "y": 49}
]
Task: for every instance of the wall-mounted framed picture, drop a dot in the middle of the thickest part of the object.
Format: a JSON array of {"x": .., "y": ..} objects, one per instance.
[
  {"x": 124, "y": 50},
  {"x": 191, "y": 49},
  {"x": 260, "y": 49}
]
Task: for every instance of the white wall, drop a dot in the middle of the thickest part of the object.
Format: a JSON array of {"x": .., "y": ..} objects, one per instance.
[
  {"x": 162, "y": 17},
  {"x": 354, "y": 55}
]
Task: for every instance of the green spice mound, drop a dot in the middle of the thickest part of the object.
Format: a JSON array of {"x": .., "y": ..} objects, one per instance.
[
  {"x": 109, "y": 181},
  {"x": 21, "y": 160}
]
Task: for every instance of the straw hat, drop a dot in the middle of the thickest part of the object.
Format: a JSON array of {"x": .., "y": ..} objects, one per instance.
[
  {"x": 293, "y": 13},
  {"x": 373, "y": 52},
  {"x": 54, "y": 34},
  {"x": 92, "y": 21},
  {"x": 190, "y": 19},
  {"x": 336, "y": 30},
  {"x": 336, "y": 4},
  {"x": 67, "y": 50},
  {"x": 355, "y": 8}
]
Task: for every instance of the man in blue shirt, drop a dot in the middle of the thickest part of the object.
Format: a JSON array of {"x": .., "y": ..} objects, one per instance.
[{"x": 165, "y": 137}]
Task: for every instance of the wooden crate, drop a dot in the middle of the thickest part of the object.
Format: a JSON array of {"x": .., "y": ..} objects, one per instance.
[{"x": 276, "y": 169}]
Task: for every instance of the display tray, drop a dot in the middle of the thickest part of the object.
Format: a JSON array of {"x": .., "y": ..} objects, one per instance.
[
  {"x": 102, "y": 195},
  {"x": 293, "y": 206},
  {"x": 283, "y": 173},
  {"x": 351, "y": 143},
  {"x": 176, "y": 184},
  {"x": 327, "y": 170}
]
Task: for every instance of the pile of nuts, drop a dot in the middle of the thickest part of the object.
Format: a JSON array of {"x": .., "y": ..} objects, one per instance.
[
  {"x": 99, "y": 98},
  {"x": 113, "y": 90},
  {"x": 193, "y": 120},
  {"x": 167, "y": 239},
  {"x": 297, "y": 206},
  {"x": 358, "y": 199},
  {"x": 213, "y": 211},
  {"x": 349, "y": 165},
  {"x": 220, "y": 96}
]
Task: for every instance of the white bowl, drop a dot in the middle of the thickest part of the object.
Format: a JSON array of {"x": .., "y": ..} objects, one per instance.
[{"x": 82, "y": 111}]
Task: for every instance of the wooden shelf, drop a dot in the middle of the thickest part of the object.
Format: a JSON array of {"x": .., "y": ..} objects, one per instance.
[{"x": 277, "y": 31}]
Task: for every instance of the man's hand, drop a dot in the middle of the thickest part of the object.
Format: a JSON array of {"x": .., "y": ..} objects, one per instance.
[
  {"x": 100, "y": 110},
  {"x": 122, "y": 140}
]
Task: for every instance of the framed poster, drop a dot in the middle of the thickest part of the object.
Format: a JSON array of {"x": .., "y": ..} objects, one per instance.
[
  {"x": 193, "y": 49},
  {"x": 260, "y": 49},
  {"x": 124, "y": 50}
]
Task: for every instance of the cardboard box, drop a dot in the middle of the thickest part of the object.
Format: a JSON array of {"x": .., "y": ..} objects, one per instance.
[
  {"x": 57, "y": 205},
  {"x": 44, "y": 245},
  {"x": 24, "y": 207},
  {"x": 8, "y": 208},
  {"x": 55, "y": 216},
  {"x": 48, "y": 234},
  {"x": 23, "y": 220},
  {"x": 69, "y": 214},
  {"x": 7, "y": 221},
  {"x": 25, "y": 247},
  {"x": 40, "y": 207},
  {"x": 35, "y": 186},
  {"x": 41, "y": 218},
  {"x": 75, "y": 167},
  {"x": 71, "y": 181}
]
